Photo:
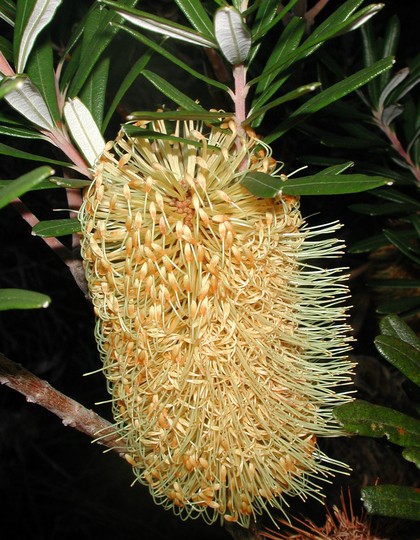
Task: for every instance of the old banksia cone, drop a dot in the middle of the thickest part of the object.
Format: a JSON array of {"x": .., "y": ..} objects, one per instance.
[{"x": 223, "y": 346}]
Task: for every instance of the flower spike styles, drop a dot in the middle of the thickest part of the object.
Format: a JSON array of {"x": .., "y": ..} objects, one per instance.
[{"x": 224, "y": 347}]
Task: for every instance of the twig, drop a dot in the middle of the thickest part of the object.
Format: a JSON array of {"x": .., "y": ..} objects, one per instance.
[{"x": 71, "y": 412}]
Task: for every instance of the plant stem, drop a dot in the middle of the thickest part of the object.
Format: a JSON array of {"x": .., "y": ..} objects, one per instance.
[
  {"x": 239, "y": 95},
  {"x": 71, "y": 412}
]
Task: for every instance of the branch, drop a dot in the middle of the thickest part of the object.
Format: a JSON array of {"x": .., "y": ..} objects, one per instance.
[{"x": 71, "y": 412}]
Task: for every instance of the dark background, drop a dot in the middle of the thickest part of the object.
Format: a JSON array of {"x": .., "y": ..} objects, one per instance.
[{"x": 54, "y": 483}]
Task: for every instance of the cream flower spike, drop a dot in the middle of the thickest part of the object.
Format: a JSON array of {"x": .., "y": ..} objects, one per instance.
[{"x": 224, "y": 347}]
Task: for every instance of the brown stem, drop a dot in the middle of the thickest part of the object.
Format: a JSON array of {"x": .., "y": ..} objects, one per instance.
[
  {"x": 71, "y": 412},
  {"x": 397, "y": 146}
]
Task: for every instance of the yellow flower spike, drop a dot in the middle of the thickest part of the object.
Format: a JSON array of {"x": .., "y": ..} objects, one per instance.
[{"x": 224, "y": 347}]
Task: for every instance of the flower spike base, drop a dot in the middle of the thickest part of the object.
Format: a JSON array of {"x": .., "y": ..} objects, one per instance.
[{"x": 224, "y": 348}]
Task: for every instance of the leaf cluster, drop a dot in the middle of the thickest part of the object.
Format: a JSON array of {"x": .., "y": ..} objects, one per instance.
[{"x": 400, "y": 346}]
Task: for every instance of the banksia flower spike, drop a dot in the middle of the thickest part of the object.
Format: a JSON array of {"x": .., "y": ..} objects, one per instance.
[{"x": 223, "y": 346}]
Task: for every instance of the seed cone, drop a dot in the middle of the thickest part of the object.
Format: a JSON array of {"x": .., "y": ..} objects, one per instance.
[{"x": 223, "y": 347}]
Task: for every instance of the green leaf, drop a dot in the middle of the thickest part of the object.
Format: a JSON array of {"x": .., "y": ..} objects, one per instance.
[
  {"x": 401, "y": 355},
  {"x": 399, "y": 305},
  {"x": 412, "y": 455},
  {"x": 20, "y": 132},
  {"x": 40, "y": 69},
  {"x": 174, "y": 59},
  {"x": 22, "y": 299},
  {"x": 93, "y": 47},
  {"x": 6, "y": 150},
  {"x": 381, "y": 209},
  {"x": 40, "y": 16},
  {"x": 211, "y": 117},
  {"x": 267, "y": 10},
  {"x": 8, "y": 11},
  {"x": 73, "y": 183},
  {"x": 363, "y": 418},
  {"x": 394, "y": 326},
  {"x": 395, "y": 283},
  {"x": 332, "y": 184},
  {"x": 196, "y": 14},
  {"x": 262, "y": 185},
  {"x": 286, "y": 44},
  {"x": 392, "y": 501},
  {"x": 6, "y": 47},
  {"x": 94, "y": 90},
  {"x": 129, "y": 79},
  {"x": 135, "y": 131},
  {"x": 45, "y": 184},
  {"x": 408, "y": 250},
  {"x": 160, "y": 26},
  {"x": 172, "y": 92},
  {"x": 268, "y": 15},
  {"x": 56, "y": 227},
  {"x": 294, "y": 94},
  {"x": 23, "y": 12},
  {"x": 23, "y": 184},
  {"x": 330, "y": 95},
  {"x": 377, "y": 241},
  {"x": 9, "y": 84}
]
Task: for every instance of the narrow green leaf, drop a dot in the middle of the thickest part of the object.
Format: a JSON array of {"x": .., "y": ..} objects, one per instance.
[
  {"x": 412, "y": 455},
  {"x": 294, "y": 94},
  {"x": 40, "y": 16},
  {"x": 45, "y": 184},
  {"x": 394, "y": 195},
  {"x": 391, "y": 38},
  {"x": 332, "y": 184},
  {"x": 94, "y": 90},
  {"x": 337, "y": 169},
  {"x": 6, "y": 150},
  {"x": 160, "y": 26},
  {"x": 171, "y": 92},
  {"x": 369, "y": 244},
  {"x": 409, "y": 251},
  {"x": 6, "y": 47},
  {"x": 196, "y": 14},
  {"x": 286, "y": 44},
  {"x": 399, "y": 305},
  {"x": 181, "y": 115},
  {"x": 56, "y": 227},
  {"x": 9, "y": 84},
  {"x": 22, "y": 299},
  {"x": 331, "y": 94},
  {"x": 394, "y": 326},
  {"x": 267, "y": 10},
  {"x": 263, "y": 29},
  {"x": 20, "y": 132},
  {"x": 262, "y": 185},
  {"x": 8, "y": 11},
  {"x": 23, "y": 184},
  {"x": 73, "y": 183},
  {"x": 129, "y": 79},
  {"x": 24, "y": 9},
  {"x": 395, "y": 283},
  {"x": 401, "y": 355},
  {"x": 363, "y": 418},
  {"x": 95, "y": 46},
  {"x": 392, "y": 501},
  {"x": 381, "y": 209},
  {"x": 135, "y": 131},
  {"x": 40, "y": 68},
  {"x": 172, "y": 58}
]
